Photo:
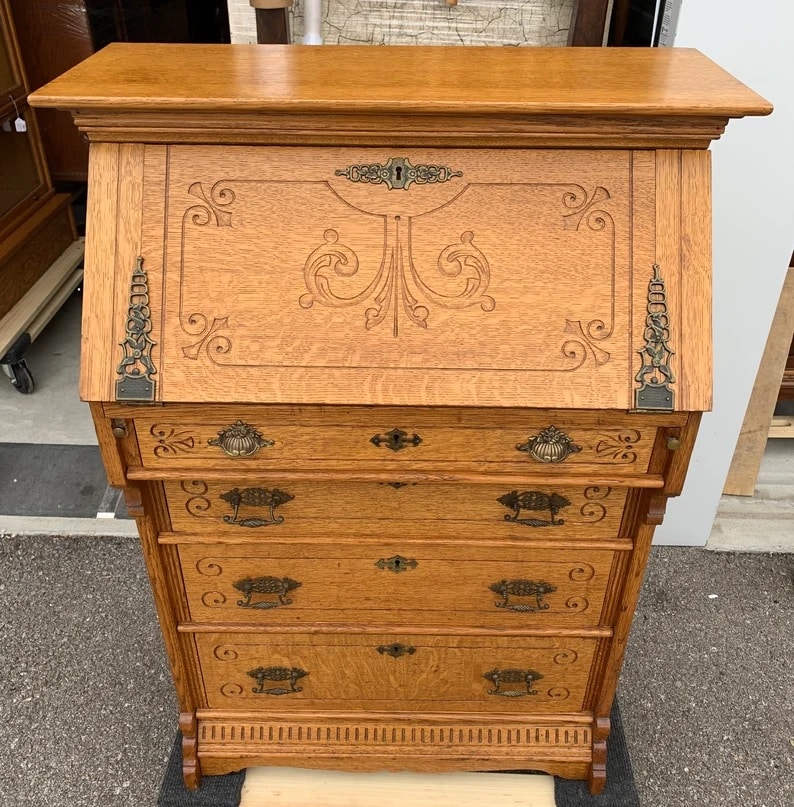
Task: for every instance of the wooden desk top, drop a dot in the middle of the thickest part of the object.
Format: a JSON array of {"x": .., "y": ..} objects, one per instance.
[{"x": 471, "y": 80}]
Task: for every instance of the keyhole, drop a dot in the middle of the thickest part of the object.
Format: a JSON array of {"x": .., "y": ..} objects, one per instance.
[
  {"x": 398, "y": 565},
  {"x": 399, "y": 172}
]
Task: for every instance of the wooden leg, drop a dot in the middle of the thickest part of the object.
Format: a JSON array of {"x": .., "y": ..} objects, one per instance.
[
  {"x": 597, "y": 777},
  {"x": 191, "y": 768}
]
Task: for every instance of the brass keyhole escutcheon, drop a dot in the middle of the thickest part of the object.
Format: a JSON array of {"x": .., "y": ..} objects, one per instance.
[{"x": 396, "y": 440}]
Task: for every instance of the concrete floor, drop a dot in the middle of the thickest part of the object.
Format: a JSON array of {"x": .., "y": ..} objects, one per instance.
[{"x": 87, "y": 713}]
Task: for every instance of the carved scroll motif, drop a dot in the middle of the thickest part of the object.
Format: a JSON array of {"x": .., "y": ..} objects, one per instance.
[{"x": 398, "y": 285}]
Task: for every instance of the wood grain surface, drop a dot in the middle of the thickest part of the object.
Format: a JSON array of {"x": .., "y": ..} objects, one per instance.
[
  {"x": 443, "y": 674},
  {"x": 433, "y": 584},
  {"x": 631, "y": 81},
  {"x": 473, "y": 510},
  {"x": 328, "y": 437}
]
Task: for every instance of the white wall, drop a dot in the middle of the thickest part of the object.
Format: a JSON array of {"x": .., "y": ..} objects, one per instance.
[{"x": 753, "y": 171}]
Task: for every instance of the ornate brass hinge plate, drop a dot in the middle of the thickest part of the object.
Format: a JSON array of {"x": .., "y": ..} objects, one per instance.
[
  {"x": 655, "y": 375},
  {"x": 136, "y": 367}
]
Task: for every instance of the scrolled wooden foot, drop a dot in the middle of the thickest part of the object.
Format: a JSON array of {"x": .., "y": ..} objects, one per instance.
[
  {"x": 597, "y": 777},
  {"x": 191, "y": 767}
]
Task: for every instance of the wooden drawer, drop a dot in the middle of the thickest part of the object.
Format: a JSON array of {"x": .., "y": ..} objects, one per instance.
[
  {"x": 395, "y": 672},
  {"x": 512, "y": 440},
  {"x": 434, "y": 584},
  {"x": 273, "y": 509}
]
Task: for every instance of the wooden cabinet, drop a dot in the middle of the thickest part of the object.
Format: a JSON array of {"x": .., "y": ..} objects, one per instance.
[{"x": 398, "y": 378}]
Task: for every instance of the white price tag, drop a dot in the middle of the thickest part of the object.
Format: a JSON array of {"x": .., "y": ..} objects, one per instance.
[{"x": 20, "y": 125}]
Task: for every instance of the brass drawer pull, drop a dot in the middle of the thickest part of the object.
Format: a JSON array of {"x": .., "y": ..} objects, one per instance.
[
  {"x": 499, "y": 677},
  {"x": 397, "y": 564},
  {"x": 534, "y": 500},
  {"x": 255, "y": 497},
  {"x": 522, "y": 588},
  {"x": 240, "y": 440},
  {"x": 280, "y": 586},
  {"x": 395, "y": 650},
  {"x": 549, "y": 445},
  {"x": 396, "y": 440},
  {"x": 291, "y": 674}
]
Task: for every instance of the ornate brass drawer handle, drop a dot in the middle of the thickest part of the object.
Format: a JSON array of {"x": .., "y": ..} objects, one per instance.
[
  {"x": 499, "y": 677},
  {"x": 396, "y": 564},
  {"x": 396, "y": 440},
  {"x": 522, "y": 588},
  {"x": 255, "y": 497},
  {"x": 291, "y": 674},
  {"x": 534, "y": 500},
  {"x": 280, "y": 586},
  {"x": 549, "y": 445},
  {"x": 395, "y": 650},
  {"x": 240, "y": 440}
]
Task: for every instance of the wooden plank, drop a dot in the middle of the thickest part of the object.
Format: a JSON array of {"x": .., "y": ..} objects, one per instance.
[
  {"x": 272, "y": 787},
  {"x": 755, "y": 431},
  {"x": 695, "y": 356},
  {"x": 32, "y": 304},
  {"x": 668, "y": 81},
  {"x": 55, "y": 303},
  {"x": 98, "y": 331},
  {"x": 781, "y": 427}
]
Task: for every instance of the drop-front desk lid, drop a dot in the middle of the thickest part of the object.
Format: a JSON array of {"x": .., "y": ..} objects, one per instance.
[{"x": 411, "y": 226}]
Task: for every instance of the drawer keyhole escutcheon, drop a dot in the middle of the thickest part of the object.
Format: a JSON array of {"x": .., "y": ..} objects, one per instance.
[
  {"x": 397, "y": 564},
  {"x": 498, "y": 677},
  {"x": 396, "y": 440},
  {"x": 549, "y": 446},
  {"x": 522, "y": 588},
  {"x": 396, "y": 650},
  {"x": 280, "y": 586},
  {"x": 290, "y": 674},
  {"x": 240, "y": 440}
]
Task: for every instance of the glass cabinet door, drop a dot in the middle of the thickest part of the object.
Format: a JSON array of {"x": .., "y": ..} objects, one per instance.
[
  {"x": 19, "y": 174},
  {"x": 10, "y": 81}
]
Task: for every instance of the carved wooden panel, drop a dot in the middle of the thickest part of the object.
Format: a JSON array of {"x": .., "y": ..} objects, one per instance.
[
  {"x": 388, "y": 671},
  {"x": 404, "y": 276},
  {"x": 271, "y": 510},
  {"x": 395, "y": 584}
]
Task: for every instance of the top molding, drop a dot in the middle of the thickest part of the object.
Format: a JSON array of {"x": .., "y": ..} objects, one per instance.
[{"x": 581, "y": 97}]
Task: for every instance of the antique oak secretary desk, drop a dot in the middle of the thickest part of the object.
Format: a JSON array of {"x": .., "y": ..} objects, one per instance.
[{"x": 398, "y": 354}]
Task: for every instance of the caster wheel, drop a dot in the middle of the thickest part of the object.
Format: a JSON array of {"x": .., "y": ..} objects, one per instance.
[{"x": 20, "y": 376}]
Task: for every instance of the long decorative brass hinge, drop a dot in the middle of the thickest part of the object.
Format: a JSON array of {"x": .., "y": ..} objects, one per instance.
[
  {"x": 397, "y": 173},
  {"x": 655, "y": 375},
  {"x": 136, "y": 368}
]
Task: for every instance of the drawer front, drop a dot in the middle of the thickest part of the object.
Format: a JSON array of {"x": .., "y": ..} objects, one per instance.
[
  {"x": 434, "y": 584},
  {"x": 299, "y": 508},
  {"x": 276, "y": 437},
  {"x": 388, "y": 672}
]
